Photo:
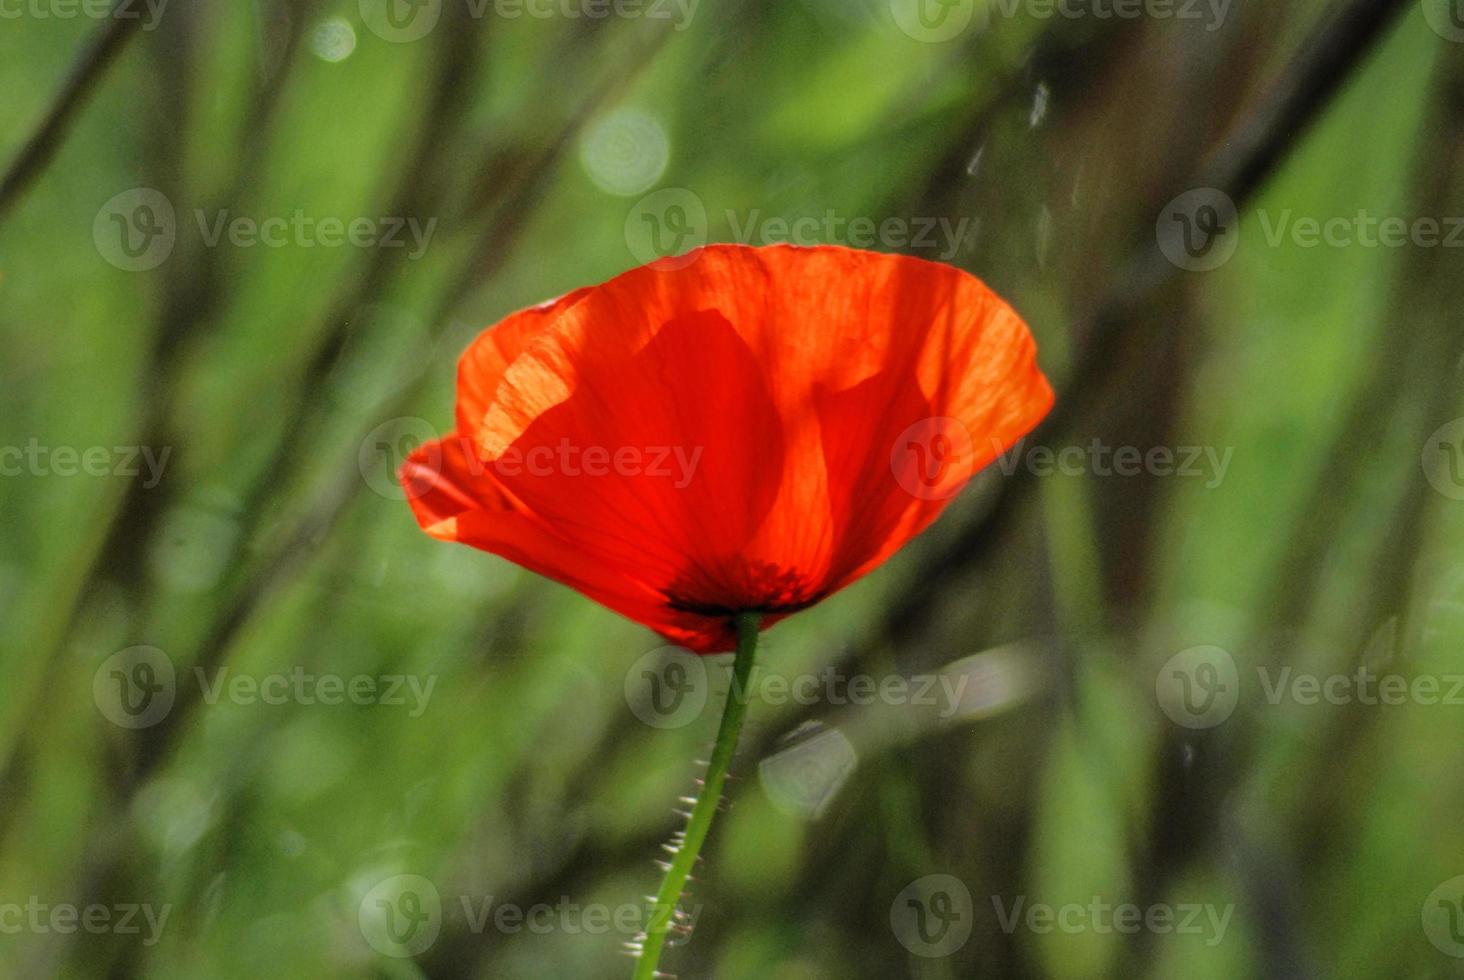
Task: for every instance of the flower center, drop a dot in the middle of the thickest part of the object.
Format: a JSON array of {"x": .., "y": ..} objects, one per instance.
[{"x": 741, "y": 587}]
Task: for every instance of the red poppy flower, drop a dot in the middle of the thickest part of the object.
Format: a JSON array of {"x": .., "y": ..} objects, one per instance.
[{"x": 735, "y": 430}]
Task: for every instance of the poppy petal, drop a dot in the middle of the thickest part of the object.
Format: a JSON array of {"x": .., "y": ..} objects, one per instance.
[
  {"x": 481, "y": 366},
  {"x": 455, "y": 498},
  {"x": 791, "y": 374},
  {"x": 647, "y": 461}
]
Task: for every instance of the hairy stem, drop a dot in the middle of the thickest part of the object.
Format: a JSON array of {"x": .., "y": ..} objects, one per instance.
[{"x": 663, "y": 912}]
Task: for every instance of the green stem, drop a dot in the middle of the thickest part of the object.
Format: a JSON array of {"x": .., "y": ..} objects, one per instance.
[{"x": 664, "y": 909}]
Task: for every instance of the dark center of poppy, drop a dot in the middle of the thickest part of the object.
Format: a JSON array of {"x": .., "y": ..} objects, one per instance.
[{"x": 742, "y": 587}]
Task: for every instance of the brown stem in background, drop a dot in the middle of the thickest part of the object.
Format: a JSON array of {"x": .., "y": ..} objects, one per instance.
[{"x": 122, "y": 24}]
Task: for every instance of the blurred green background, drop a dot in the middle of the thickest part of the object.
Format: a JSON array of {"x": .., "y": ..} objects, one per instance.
[{"x": 1127, "y": 733}]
